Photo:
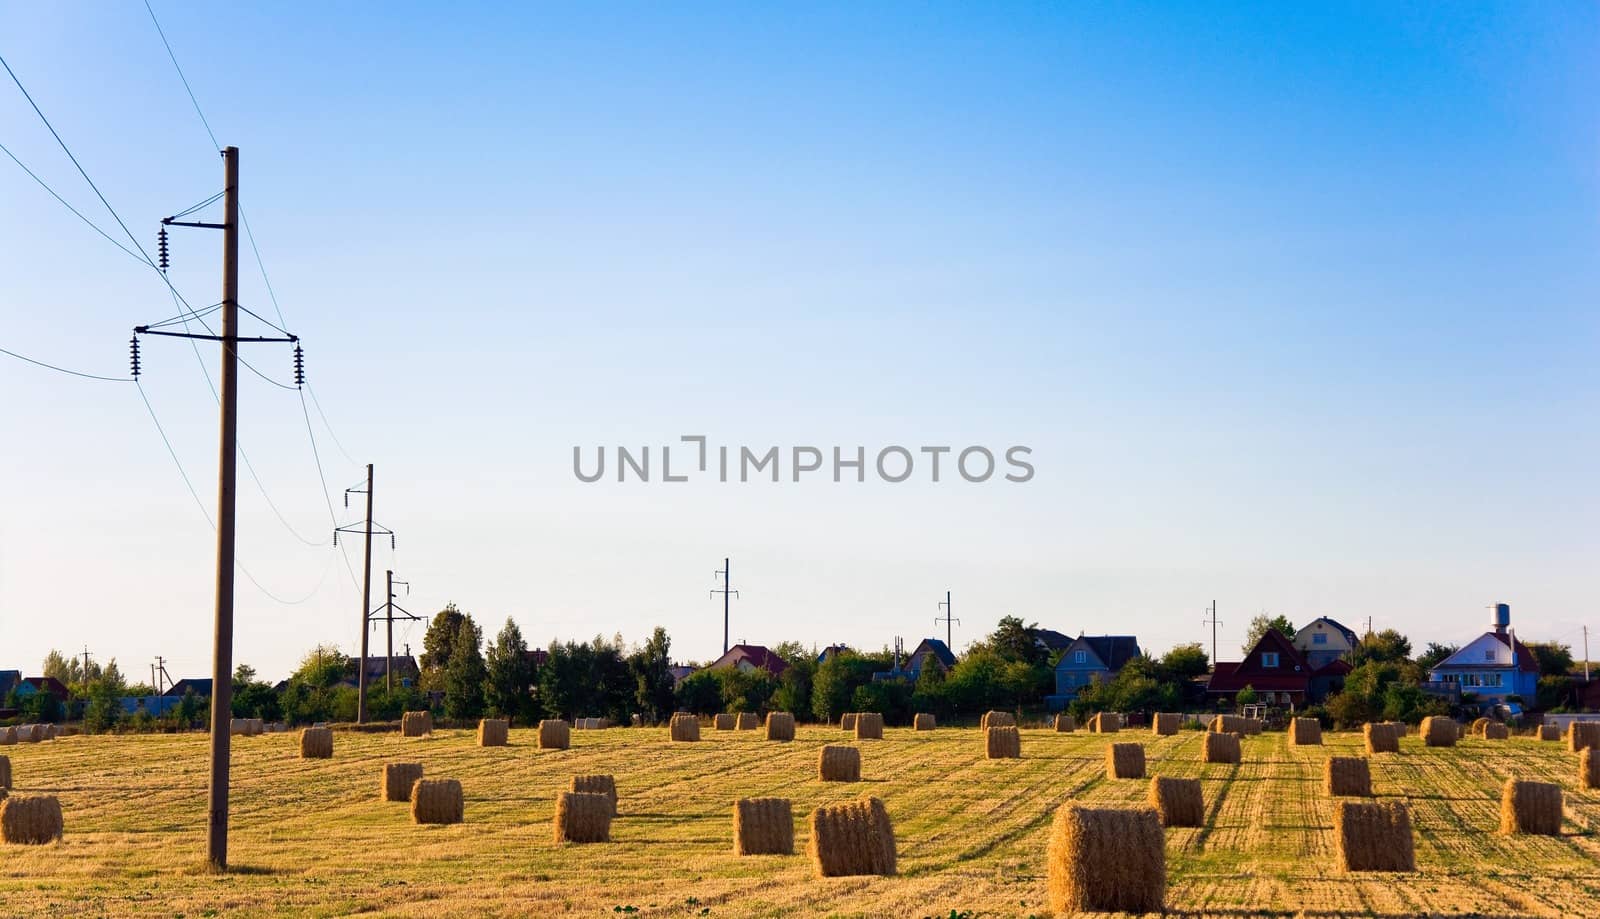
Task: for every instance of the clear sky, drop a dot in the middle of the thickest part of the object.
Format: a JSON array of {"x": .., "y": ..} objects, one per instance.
[{"x": 1298, "y": 309}]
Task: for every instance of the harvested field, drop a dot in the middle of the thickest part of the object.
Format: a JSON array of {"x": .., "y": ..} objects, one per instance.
[{"x": 971, "y": 835}]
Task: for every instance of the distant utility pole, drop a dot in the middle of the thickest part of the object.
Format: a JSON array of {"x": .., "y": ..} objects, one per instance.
[
  {"x": 389, "y": 606},
  {"x": 86, "y": 663},
  {"x": 727, "y": 592},
  {"x": 157, "y": 671},
  {"x": 948, "y": 620},
  {"x": 1213, "y": 621},
  {"x": 227, "y": 460},
  {"x": 366, "y": 532},
  {"x": 1585, "y": 653}
]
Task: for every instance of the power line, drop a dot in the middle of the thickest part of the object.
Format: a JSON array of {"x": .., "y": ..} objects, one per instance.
[
  {"x": 168, "y": 45},
  {"x": 42, "y": 184},
  {"x": 87, "y": 376}
]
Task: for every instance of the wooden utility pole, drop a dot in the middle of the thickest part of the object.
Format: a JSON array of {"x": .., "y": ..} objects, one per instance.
[
  {"x": 227, "y": 457},
  {"x": 389, "y": 606},
  {"x": 366, "y": 606},
  {"x": 949, "y": 622},
  {"x": 1214, "y": 622},
  {"x": 1585, "y": 653},
  {"x": 728, "y": 593}
]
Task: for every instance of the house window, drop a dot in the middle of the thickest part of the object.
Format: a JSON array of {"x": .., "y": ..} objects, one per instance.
[
  {"x": 1080, "y": 657},
  {"x": 1269, "y": 658},
  {"x": 1488, "y": 654},
  {"x": 1320, "y": 638}
]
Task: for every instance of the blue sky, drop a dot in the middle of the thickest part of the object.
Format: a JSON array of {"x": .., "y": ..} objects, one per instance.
[{"x": 1296, "y": 307}]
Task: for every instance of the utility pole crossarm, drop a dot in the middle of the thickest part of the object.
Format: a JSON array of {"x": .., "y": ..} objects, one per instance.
[
  {"x": 949, "y": 621},
  {"x": 727, "y": 591}
]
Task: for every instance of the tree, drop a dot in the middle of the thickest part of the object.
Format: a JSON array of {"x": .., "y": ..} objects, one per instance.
[
  {"x": 1435, "y": 655},
  {"x": 651, "y": 666},
  {"x": 1555, "y": 659},
  {"x": 1186, "y": 661},
  {"x": 701, "y": 693},
  {"x": 834, "y": 685},
  {"x": 439, "y": 644},
  {"x": 1014, "y": 641},
  {"x": 1259, "y": 626},
  {"x": 57, "y": 665},
  {"x": 794, "y": 652},
  {"x": 745, "y": 690},
  {"x": 464, "y": 674},
  {"x": 508, "y": 683},
  {"x": 1387, "y": 646},
  {"x": 104, "y": 693},
  {"x": 1246, "y": 696}
]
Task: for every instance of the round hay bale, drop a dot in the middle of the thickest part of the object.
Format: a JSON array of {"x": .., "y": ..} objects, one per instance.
[
  {"x": 316, "y": 743},
  {"x": 1589, "y": 769},
  {"x": 1106, "y": 860},
  {"x": 1549, "y": 732},
  {"x": 923, "y": 721},
  {"x": 437, "y": 801},
  {"x": 554, "y": 734},
  {"x": 1400, "y": 728},
  {"x": 1105, "y": 723},
  {"x": 1530, "y": 807},
  {"x": 780, "y": 726},
  {"x": 8, "y": 736},
  {"x": 397, "y": 781},
  {"x": 603, "y": 785},
  {"x": 1305, "y": 732},
  {"x": 1178, "y": 801},
  {"x": 1495, "y": 731},
  {"x": 847, "y": 721},
  {"x": 747, "y": 721},
  {"x": 1478, "y": 724},
  {"x": 1065, "y": 723},
  {"x": 869, "y": 726},
  {"x": 722, "y": 721},
  {"x": 763, "y": 826},
  {"x": 852, "y": 838},
  {"x": 1003, "y": 742},
  {"x": 493, "y": 732},
  {"x": 5, "y": 774},
  {"x": 30, "y": 733},
  {"x": 1381, "y": 738},
  {"x": 416, "y": 724},
  {"x": 1125, "y": 761},
  {"x": 1374, "y": 836},
  {"x": 1166, "y": 724},
  {"x": 237, "y": 726},
  {"x": 583, "y": 817},
  {"x": 1220, "y": 748},
  {"x": 1581, "y": 735},
  {"x": 30, "y": 820},
  {"x": 996, "y": 719},
  {"x": 839, "y": 764},
  {"x": 1438, "y": 731},
  {"x": 1347, "y": 776},
  {"x": 685, "y": 728}
]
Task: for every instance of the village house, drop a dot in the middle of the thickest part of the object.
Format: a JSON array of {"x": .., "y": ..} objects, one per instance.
[
  {"x": 751, "y": 657},
  {"x": 1087, "y": 659},
  {"x": 1494, "y": 666}
]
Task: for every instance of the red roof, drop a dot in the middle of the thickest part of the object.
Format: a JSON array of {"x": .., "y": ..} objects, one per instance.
[
  {"x": 756, "y": 655},
  {"x": 1291, "y": 675}
]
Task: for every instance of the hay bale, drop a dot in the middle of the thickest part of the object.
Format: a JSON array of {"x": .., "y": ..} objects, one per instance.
[
  {"x": 416, "y": 724},
  {"x": 1004, "y": 742},
  {"x": 1478, "y": 724},
  {"x": 763, "y": 826},
  {"x": 583, "y": 817},
  {"x": 1178, "y": 801},
  {"x": 397, "y": 781},
  {"x": 554, "y": 734},
  {"x": 847, "y": 721},
  {"x": 1381, "y": 738},
  {"x": 1125, "y": 761},
  {"x": 722, "y": 721},
  {"x": 869, "y": 726},
  {"x": 1105, "y": 723},
  {"x": 1496, "y": 731},
  {"x": 1065, "y": 723},
  {"x": 780, "y": 726},
  {"x": 1347, "y": 776},
  {"x": 839, "y": 764},
  {"x": 316, "y": 743},
  {"x": 30, "y": 733},
  {"x": 1531, "y": 807},
  {"x": 748, "y": 721},
  {"x": 1374, "y": 836},
  {"x": 1589, "y": 768},
  {"x": 1228, "y": 724},
  {"x": 436, "y": 801},
  {"x": 8, "y": 736},
  {"x": 996, "y": 719},
  {"x": 1106, "y": 860},
  {"x": 1221, "y": 748},
  {"x": 493, "y": 732},
  {"x": 30, "y": 820},
  {"x": 923, "y": 721},
  {"x": 1549, "y": 732},
  {"x": 1165, "y": 724},
  {"x": 1438, "y": 731},
  {"x": 237, "y": 726},
  {"x": 685, "y": 728},
  {"x": 1305, "y": 732},
  {"x": 1400, "y": 728},
  {"x": 1581, "y": 735},
  {"x": 596, "y": 785},
  {"x": 852, "y": 838},
  {"x": 5, "y": 774}
]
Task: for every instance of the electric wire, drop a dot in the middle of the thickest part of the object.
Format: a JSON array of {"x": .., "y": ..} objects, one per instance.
[{"x": 87, "y": 376}]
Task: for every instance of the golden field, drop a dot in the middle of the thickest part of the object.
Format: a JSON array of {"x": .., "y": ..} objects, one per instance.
[{"x": 311, "y": 838}]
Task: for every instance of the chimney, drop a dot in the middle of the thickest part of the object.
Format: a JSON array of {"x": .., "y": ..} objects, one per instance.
[{"x": 1502, "y": 618}]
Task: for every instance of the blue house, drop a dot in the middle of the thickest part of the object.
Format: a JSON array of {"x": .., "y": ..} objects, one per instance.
[
  {"x": 1493, "y": 666},
  {"x": 930, "y": 653},
  {"x": 1089, "y": 658}
]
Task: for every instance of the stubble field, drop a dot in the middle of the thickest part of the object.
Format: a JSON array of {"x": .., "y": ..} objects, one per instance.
[{"x": 311, "y": 838}]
